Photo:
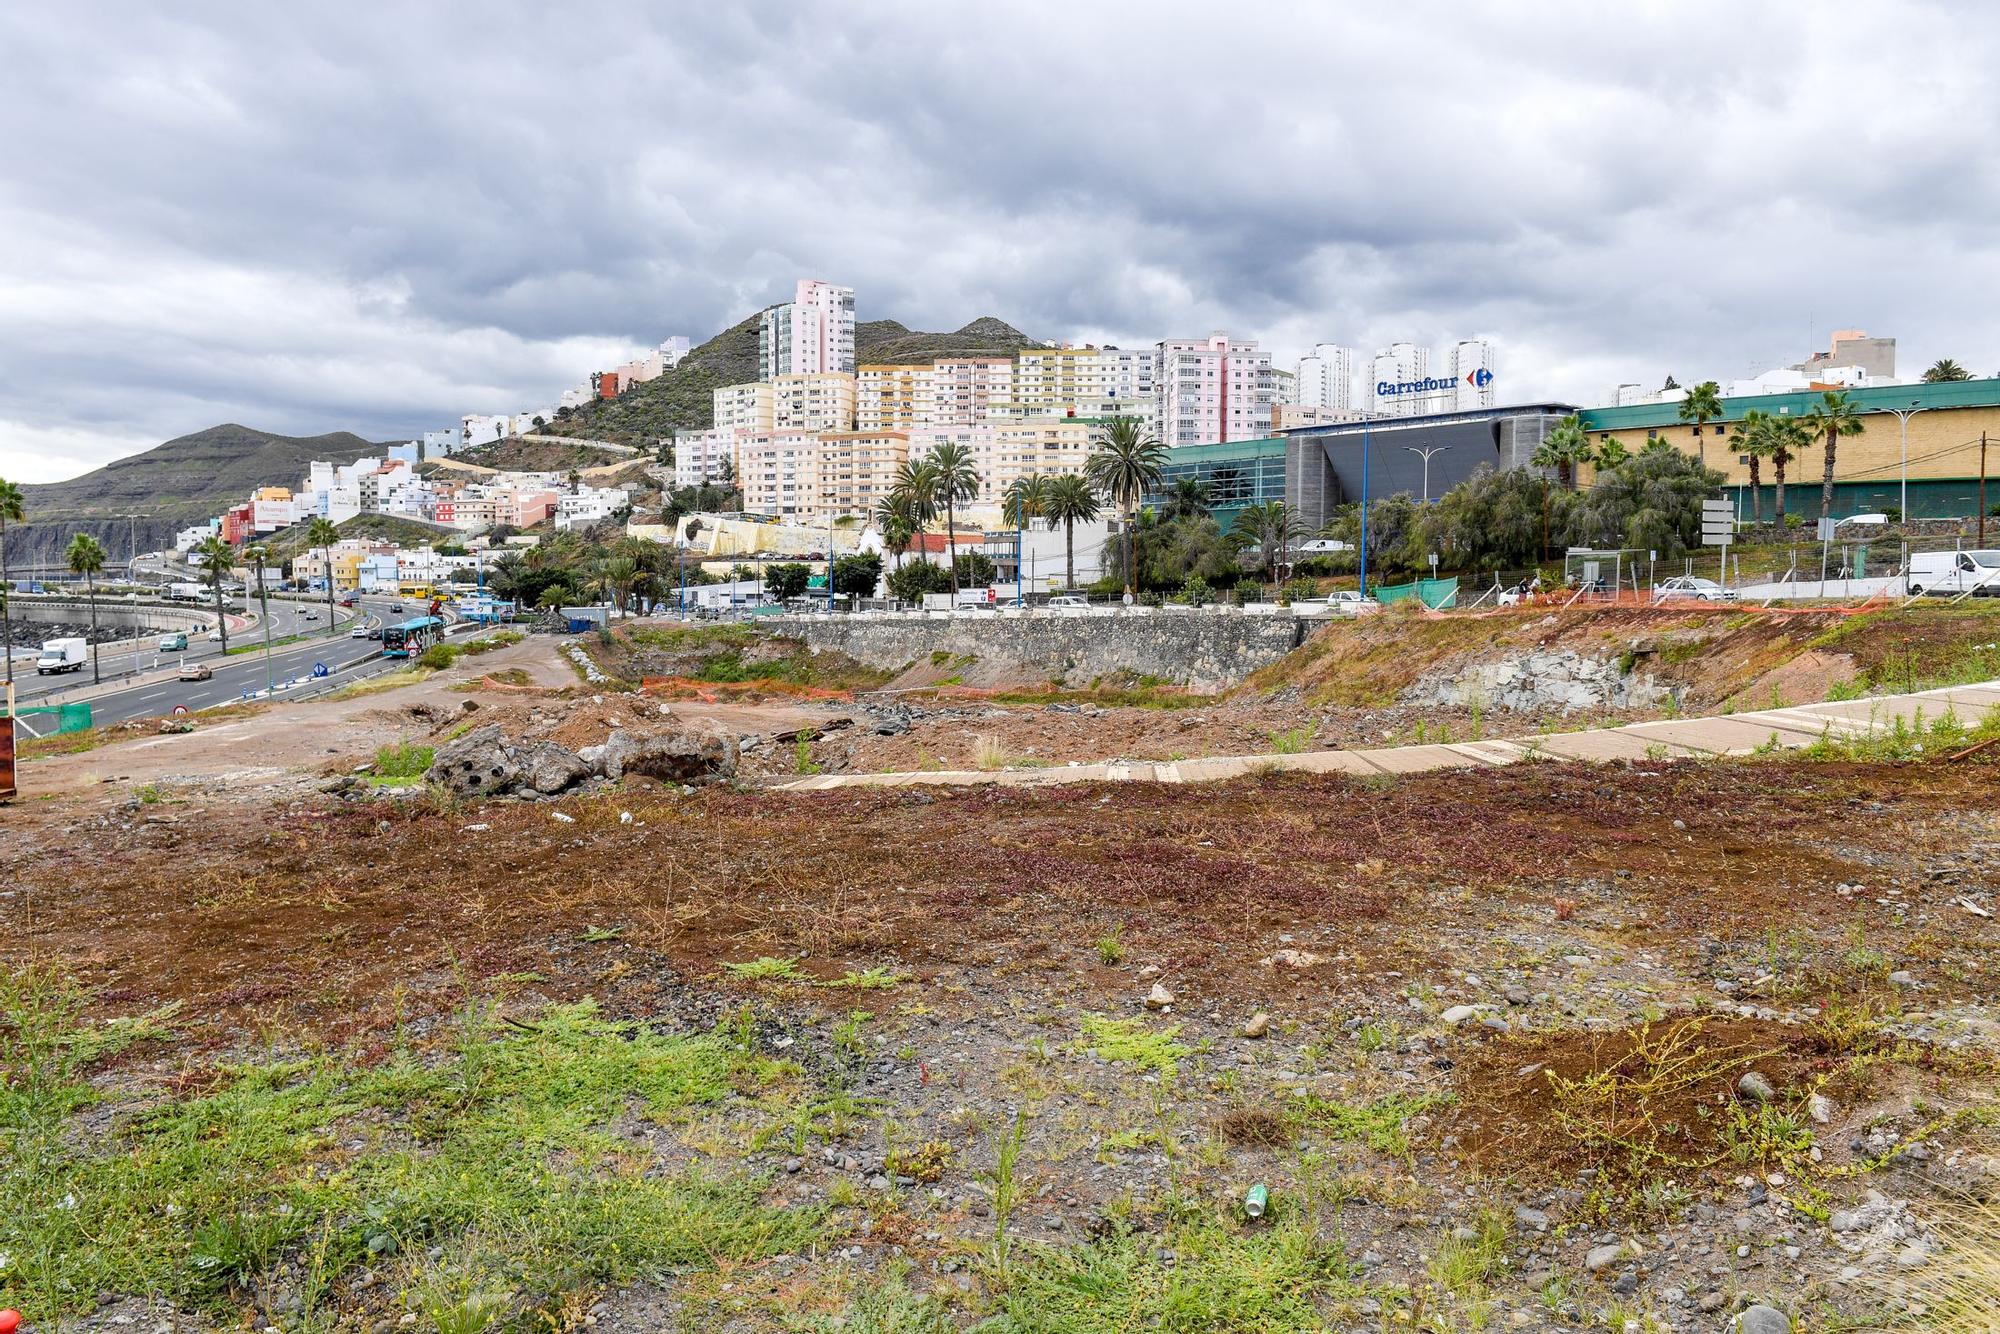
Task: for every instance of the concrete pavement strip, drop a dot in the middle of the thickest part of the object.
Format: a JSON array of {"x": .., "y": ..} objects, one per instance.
[{"x": 1727, "y": 734}]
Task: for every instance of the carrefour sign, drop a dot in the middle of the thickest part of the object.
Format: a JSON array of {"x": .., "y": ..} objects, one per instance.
[{"x": 1478, "y": 379}]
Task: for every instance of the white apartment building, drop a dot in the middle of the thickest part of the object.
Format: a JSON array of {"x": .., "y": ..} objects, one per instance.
[
  {"x": 703, "y": 456},
  {"x": 815, "y": 402},
  {"x": 1401, "y": 363},
  {"x": 778, "y": 472},
  {"x": 963, "y": 387},
  {"x": 1472, "y": 376},
  {"x": 478, "y": 428},
  {"x": 1002, "y": 452},
  {"x": 857, "y": 469},
  {"x": 743, "y": 407},
  {"x": 1078, "y": 382},
  {"x": 588, "y": 504},
  {"x": 674, "y": 350},
  {"x": 892, "y": 398},
  {"x": 808, "y": 335},
  {"x": 1325, "y": 378},
  {"x": 441, "y": 444},
  {"x": 1210, "y": 390}
]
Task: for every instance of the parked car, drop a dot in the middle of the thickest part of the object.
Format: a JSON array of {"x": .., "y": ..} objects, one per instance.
[
  {"x": 197, "y": 671},
  {"x": 1692, "y": 586},
  {"x": 1072, "y": 601},
  {"x": 1342, "y": 602}
]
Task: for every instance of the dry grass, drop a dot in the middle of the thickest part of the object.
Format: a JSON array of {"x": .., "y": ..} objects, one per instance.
[
  {"x": 1963, "y": 1287},
  {"x": 376, "y": 685},
  {"x": 1257, "y": 1126}
]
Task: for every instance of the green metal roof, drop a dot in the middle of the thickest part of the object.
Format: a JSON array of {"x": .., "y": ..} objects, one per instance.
[{"x": 1881, "y": 398}]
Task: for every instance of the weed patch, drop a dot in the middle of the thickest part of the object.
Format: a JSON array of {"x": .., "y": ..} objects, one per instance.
[{"x": 1130, "y": 1042}]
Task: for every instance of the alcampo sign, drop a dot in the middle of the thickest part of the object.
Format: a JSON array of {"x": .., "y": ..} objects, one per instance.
[{"x": 1478, "y": 379}]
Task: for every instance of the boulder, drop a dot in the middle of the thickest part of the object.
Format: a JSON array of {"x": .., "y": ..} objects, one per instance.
[
  {"x": 485, "y": 763},
  {"x": 1764, "y": 1320},
  {"x": 675, "y": 757}
]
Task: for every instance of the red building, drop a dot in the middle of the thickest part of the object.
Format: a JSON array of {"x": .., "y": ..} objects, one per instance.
[
  {"x": 607, "y": 384},
  {"x": 239, "y": 525}
]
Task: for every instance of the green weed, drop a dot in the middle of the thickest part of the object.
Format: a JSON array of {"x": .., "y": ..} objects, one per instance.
[
  {"x": 768, "y": 969},
  {"x": 1130, "y": 1042}
]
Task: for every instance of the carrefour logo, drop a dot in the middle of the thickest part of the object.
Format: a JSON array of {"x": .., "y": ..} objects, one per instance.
[{"x": 1478, "y": 379}]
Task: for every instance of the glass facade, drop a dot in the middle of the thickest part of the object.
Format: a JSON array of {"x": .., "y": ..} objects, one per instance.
[{"x": 1237, "y": 474}]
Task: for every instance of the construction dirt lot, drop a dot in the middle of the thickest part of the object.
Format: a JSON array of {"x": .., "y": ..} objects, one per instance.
[{"x": 293, "y": 1039}]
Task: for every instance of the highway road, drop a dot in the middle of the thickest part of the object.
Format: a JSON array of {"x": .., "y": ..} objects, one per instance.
[
  {"x": 346, "y": 658},
  {"x": 288, "y": 618}
]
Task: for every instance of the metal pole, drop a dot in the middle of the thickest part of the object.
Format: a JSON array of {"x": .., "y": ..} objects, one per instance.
[
  {"x": 1364, "y": 505},
  {"x": 1982, "y": 489},
  {"x": 1020, "y": 541}
]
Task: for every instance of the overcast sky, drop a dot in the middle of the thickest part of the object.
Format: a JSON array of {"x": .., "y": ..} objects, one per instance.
[{"x": 376, "y": 217}]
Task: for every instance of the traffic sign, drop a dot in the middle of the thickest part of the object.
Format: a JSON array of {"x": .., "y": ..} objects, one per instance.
[{"x": 1718, "y": 523}]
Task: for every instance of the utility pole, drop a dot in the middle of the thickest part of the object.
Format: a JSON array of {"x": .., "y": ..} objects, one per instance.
[{"x": 1982, "y": 491}]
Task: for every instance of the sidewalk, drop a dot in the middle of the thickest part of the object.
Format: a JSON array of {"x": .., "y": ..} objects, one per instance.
[{"x": 1677, "y": 738}]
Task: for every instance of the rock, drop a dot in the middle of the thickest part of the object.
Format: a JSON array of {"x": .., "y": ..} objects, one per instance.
[
  {"x": 674, "y": 757},
  {"x": 1820, "y": 1107},
  {"x": 480, "y": 763},
  {"x": 1913, "y": 1256},
  {"x": 1602, "y": 1257},
  {"x": 1533, "y": 1219},
  {"x": 1763, "y": 1320},
  {"x": 1711, "y": 1302},
  {"x": 1495, "y": 1023},
  {"x": 1753, "y": 1087},
  {"x": 1627, "y": 1283},
  {"x": 1292, "y": 959},
  {"x": 549, "y": 768},
  {"x": 1902, "y": 977},
  {"x": 1458, "y": 1014},
  {"x": 1159, "y": 998},
  {"x": 1517, "y": 996},
  {"x": 878, "y": 1182},
  {"x": 1257, "y": 1026}
]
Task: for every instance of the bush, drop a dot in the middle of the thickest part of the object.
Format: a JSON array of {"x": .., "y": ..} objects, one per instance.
[
  {"x": 785, "y": 582},
  {"x": 439, "y": 656},
  {"x": 918, "y": 577},
  {"x": 975, "y": 570}
]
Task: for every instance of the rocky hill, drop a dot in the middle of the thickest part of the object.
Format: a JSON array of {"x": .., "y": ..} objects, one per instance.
[
  {"x": 681, "y": 399},
  {"x": 169, "y": 486}
]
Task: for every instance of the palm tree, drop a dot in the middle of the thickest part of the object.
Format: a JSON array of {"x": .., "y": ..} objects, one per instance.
[
  {"x": 321, "y": 533},
  {"x": 895, "y": 517},
  {"x": 1071, "y": 501},
  {"x": 86, "y": 557},
  {"x": 1027, "y": 498},
  {"x": 216, "y": 558},
  {"x": 1609, "y": 455},
  {"x": 1754, "y": 439},
  {"x": 1188, "y": 499},
  {"x": 1832, "y": 417},
  {"x": 13, "y": 509},
  {"x": 1272, "y": 527},
  {"x": 951, "y": 467},
  {"x": 1127, "y": 463},
  {"x": 1788, "y": 435},
  {"x": 257, "y": 556},
  {"x": 619, "y": 573},
  {"x": 1702, "y": 405},
  {"x": 1945, "y": 370},
  {"x": 1565, "y": 446}
]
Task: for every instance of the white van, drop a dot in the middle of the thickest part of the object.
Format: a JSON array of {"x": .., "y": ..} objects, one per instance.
[
  {"x": 1949, "y": 573},
  {"x": 62, "y": 655}
]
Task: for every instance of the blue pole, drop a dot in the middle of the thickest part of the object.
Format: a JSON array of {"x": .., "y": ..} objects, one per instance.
[
  {"x": 1020, "y": 528},
  {"x": 1364, "y": 506}
]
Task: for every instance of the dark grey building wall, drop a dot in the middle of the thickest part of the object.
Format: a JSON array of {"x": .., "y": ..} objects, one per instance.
[{"x": 1323, "y": 467}]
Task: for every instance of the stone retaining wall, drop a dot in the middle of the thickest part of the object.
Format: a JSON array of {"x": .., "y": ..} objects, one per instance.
[{"x": 1201, "y": 651}]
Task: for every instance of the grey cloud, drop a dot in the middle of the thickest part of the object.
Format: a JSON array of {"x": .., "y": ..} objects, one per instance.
[{"x": 411, "y": 211}]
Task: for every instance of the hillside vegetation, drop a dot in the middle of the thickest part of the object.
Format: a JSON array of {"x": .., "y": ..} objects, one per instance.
[
  {"x": 186, "y": 480},
  {"x": 683, "y": 398}
]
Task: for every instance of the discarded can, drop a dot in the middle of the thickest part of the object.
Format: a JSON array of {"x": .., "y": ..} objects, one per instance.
[
  {"x": 10, "y": 1320},
  {"x": 1256, "y": 1201}
]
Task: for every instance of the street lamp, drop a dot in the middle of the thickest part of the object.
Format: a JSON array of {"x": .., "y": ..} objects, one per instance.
[
  {"x": 1902, "y": 416},
  {"x": 1427, "y": 451}
]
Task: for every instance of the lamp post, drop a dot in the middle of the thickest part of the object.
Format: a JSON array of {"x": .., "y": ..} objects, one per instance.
[
  {"x": 1902, "y": 416},
  {"x": 1427, "y": 451}
]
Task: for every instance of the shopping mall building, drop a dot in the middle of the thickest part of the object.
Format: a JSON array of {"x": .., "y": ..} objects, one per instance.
[{"x": 1930, "y": 433}]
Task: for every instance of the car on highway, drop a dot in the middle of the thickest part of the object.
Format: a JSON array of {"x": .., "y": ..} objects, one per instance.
[
  {"x": 1692, "y": 586},
  {"x": 176, "y": 642},
  {"x": 214, "y": 636},
  {"x": 361, "y": 632},
  {"x": 197, "y": 671},
  {"x": 1069, "y": 601},
  {"x": 395, "y": 606},
  {"x": 308, "y": 614}
]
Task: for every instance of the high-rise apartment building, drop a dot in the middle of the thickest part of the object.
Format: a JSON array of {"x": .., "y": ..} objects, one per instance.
[
  {"x": 743, "y": 407},
  {"x": 815, "y": 402},
  {"x": 1005, "y": 451},
  {"x": 700, "y": 456},
  {"x": 962, "y": 387},
  {"x": 778, "y": 472},
  {"x": 1211, "y": 389},
  {"x": 808, "y": 335},
  {"x": 1068, "y": 382},
  {"x": 1325, "y": 378},
  {"x": 892, "y": 398},
  {"x": 858, "y": 468},
  {"x": 1400, "y": 363},
  {"x": 1471, "y": 375}
]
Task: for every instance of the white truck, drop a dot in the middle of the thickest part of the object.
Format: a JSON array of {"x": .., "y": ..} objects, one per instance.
[
  {"x": 187, "y": 592},
  {"x": 1949, "y": 573},
  {"x": 62, "y": 655}
]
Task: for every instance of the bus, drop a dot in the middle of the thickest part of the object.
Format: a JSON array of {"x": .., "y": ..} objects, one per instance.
[
  {"x": 416, "y": 590},
  {"x": 412, "y": 637}
]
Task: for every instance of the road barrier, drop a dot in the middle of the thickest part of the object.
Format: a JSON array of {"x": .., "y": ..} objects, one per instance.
[{"x": 67, "y": 718}]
